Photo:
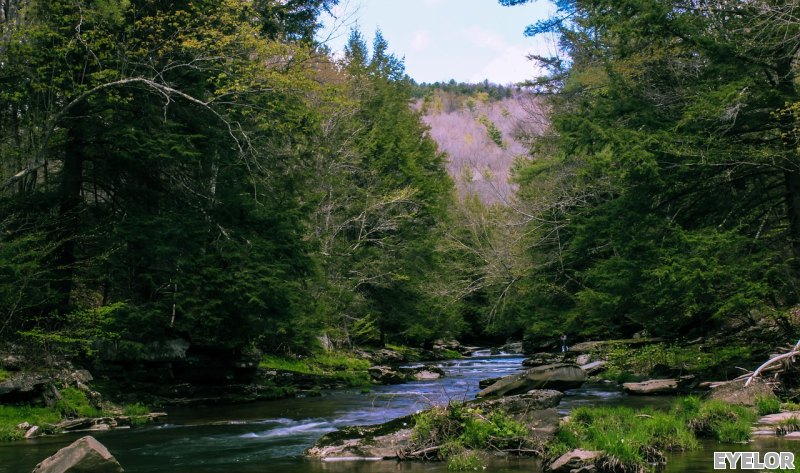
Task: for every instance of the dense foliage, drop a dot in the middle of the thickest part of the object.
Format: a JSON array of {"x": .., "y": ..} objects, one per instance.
[
  {"x": 665, "y": 195},
  {"x": 204, "y": 171}
]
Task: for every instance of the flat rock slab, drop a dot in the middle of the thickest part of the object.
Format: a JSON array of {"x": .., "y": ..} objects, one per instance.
[
  {"x": 557, "y": 376},
  {"x": 85, "y": 455},
  {"x": 594, "y": 367},
  {"x": 653, "y": 386},
  {"x": 774, "y": 419}
]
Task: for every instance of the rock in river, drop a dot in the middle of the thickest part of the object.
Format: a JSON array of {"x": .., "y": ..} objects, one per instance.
[
  {"x": 557, "y": 376},
  {"x": 389, "y": 440},
  {"x": 652, "y": 386},
  {"x": 85, "y": 455}
]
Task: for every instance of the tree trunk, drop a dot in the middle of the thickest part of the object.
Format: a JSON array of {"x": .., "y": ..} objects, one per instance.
[{"x": 69, "y": 216}]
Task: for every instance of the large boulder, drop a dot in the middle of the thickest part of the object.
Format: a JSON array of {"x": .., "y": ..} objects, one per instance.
[
  {"x": 735, "y": 392},
  {"x": 24, "y": 386},
  {"x": 557, "y": 376},
  {"x": 535, "y": 409},
  {"x": 85, "y": 455}
]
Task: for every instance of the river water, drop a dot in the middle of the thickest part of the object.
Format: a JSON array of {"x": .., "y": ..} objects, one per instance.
[{"x": 272, "y": 436}]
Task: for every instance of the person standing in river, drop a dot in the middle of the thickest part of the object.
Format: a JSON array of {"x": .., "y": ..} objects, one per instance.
[{"x": 564, "y": 347}]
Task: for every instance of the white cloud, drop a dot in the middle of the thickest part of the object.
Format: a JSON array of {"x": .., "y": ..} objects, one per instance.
[
  {"x": 511, "y": 65},
  {"x": 421, "y": 40},
  {"x": 484, "y": 39}
]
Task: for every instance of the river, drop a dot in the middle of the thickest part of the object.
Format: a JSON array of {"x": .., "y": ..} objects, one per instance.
[{"x": 271, "y": 436}]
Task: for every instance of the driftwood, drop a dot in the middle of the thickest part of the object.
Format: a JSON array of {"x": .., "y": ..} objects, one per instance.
[{"x": 772, "y": 361}]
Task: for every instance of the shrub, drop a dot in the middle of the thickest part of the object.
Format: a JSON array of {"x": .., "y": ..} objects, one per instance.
[
  {"x": 722, "y": 421},
  {"x": 455, "y": 427}
]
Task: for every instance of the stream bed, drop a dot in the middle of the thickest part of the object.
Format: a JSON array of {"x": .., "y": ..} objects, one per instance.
[{"x": 272, "y": 436}]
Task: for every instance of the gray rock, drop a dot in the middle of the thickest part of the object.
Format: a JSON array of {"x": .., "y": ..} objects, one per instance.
[
  {"x": 85, "y": 455},
  {"x": 34, "y": 431},
  {"x": 542, "y": 359},
  {"x": 652, "y": 386},
  {"x": 23, "y": 386},
  {"x": 385, "y": 355},
  {"x": 485, "y": 383},
  {"x": 425, "y": 375},
  {"x": 734, "y": 392},
  {"x": 576, "y": 460},
  {"x": 514, "y": 348},
  {"x": 583, "y": 359},
  {"x": 557, "y": 376},
  {"x": 386, "y": 375},
  {"x": 775, "y": 419},
  {"x": 422, "y": 372},
  {"x": 594, "y": 367}
]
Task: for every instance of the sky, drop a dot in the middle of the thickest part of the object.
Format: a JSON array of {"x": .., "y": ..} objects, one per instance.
[{"x": 465, "y": 40}]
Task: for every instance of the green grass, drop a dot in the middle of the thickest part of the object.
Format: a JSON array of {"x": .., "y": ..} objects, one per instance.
[
  {"x": 73, "y": 403},
  {"x": 4, "y": 375},
  {"x": 342, "y": 367},
  {"x": 466, "y": 460},
  {"x": 462, "y": 431},
  {"x": 716, "y": 419},
  {"x": 768, "y": 405},
  {"x": 790, "y": 406},
  {"x": 11, "y": 416},
  {"x": 631, "y": 440},
  {"x": 632, "y": 364}
]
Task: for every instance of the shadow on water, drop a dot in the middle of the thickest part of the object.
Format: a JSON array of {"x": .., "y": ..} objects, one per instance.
[{"x": 272, "y": 436}]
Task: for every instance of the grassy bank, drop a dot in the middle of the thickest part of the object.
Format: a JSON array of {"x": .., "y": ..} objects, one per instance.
[
  {"x": 339, "y": 367},
  {"x": 73, "y": 404},
  {"x": 634, "y": 440},
  {"x": 637, "y": 363}
]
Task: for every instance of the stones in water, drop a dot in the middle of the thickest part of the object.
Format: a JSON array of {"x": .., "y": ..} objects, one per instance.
[
  {"x": 558, "y": 376},
  {"x": 85, "y": 455},
  {"x": 389, "y": 375}
]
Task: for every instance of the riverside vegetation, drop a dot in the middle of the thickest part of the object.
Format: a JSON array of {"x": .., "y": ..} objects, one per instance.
[{"x": 193, "y": 193}]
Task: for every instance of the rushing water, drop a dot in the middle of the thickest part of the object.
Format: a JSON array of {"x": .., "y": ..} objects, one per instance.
[{"x": 272, "y": 436}]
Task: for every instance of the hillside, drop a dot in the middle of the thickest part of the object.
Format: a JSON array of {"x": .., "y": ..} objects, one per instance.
[{"x": 482, "y": 137}]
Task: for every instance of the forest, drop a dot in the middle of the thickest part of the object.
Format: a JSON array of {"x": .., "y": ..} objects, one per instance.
[{"x": 209, "y": 172}]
